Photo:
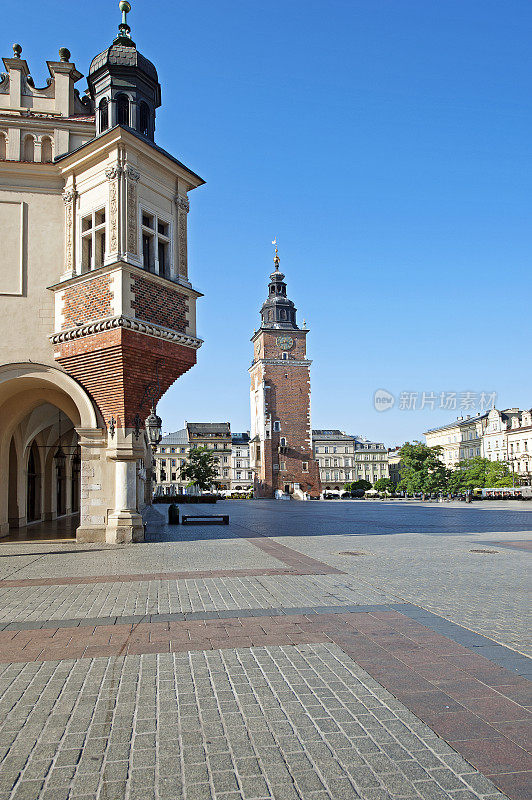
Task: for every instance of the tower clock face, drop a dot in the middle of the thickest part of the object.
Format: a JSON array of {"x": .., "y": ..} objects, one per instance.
[{"x": 285, "y": 342}]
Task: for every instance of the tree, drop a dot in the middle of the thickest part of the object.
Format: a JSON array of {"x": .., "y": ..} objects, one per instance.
[
  {"x": 201, "y": 469},
  {"x": 385, "y": 485},
  {"x": 477, "y": 473},
  {"x": 361, "y": 484},
  {"x": 423, "y": 470}
]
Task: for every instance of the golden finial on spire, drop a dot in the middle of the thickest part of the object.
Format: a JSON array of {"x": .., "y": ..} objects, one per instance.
[{"x": 276, "y": 256}]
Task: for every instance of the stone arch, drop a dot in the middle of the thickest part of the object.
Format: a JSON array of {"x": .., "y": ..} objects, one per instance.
[
  {"x": 46, "y": 150},
  {"x": 30, "y": 397},
  {"x": 29, "y": 148}
]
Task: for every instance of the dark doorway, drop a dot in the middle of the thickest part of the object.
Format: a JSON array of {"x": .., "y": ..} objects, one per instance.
[
  {"x": 33, "y": 511},
  {"x": 61, "y": 480}
]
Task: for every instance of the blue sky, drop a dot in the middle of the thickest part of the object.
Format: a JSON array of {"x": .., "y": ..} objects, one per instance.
[{"x": 386, "y": 143}]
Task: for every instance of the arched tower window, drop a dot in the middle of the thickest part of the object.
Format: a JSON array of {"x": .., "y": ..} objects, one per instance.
[
  {"x": 104, "y": 114},
  {"x": 46, "y": 150},
  {"x": 2, "y": 147},
  {"x": 144, "y": 119},
  {"x": 29, "y": 149},
  {"x": 122, "y": 108}
]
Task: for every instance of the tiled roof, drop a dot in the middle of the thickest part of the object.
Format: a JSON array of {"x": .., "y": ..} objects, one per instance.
[
  {"x": 178, "y": 437},
  {"x": 222, "y": 428}
]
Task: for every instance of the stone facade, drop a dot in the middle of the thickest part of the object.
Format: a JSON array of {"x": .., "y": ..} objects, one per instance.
[
  {"x": 344, "y": 458},
  {"x": 97, "y": 313},
  {"x": 459, "y": 440}
]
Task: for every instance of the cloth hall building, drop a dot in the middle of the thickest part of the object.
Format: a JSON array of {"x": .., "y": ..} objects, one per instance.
[{"x": 97, "y": 312}]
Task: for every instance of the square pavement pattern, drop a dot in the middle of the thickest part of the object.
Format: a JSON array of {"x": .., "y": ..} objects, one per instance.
[{"x": 316, "y": 651}]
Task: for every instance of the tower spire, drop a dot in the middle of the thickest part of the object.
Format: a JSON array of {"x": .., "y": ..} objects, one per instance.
[{"x": 124, "y": 30}]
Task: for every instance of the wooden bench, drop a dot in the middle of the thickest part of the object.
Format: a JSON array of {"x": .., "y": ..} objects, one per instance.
[{"x": 205, "y": 519}]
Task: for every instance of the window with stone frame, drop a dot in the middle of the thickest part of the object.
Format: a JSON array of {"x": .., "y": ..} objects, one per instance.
[
  {"x": 93, "y": 235},
  {"x": 155, "y": 244}
]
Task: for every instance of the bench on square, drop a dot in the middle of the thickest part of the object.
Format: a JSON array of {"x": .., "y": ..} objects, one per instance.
[{"x": 205, "y": 519}]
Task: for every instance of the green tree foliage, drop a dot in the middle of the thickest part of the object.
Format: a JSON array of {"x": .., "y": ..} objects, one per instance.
[
  {"x": 361, "y": 484},
  {"x": 200, "y": 469},
  {"x": 423, "y": 470},
  {"x": 385, "y": 485},
  {"x": 478, "y": 473}
]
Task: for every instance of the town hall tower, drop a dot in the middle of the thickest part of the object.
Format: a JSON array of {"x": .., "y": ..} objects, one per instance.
[{"x": 281, "y": 444}]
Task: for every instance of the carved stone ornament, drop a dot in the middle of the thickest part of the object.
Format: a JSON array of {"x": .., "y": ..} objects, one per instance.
[
  {"x": 113, "y": 217},
  {"x": 69, "y": 197},
  {"x": 132, "y": 217},
  {"x": 111, "y": 323},
  {"x": 131, "y": 173},
  {"x": 111, "y": 173},
  {"x": 182, "y": 244},
  {"x": 182, "y": 202}
]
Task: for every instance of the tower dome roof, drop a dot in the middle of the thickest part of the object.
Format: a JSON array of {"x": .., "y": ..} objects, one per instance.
[{"x": 123, "y": 55}]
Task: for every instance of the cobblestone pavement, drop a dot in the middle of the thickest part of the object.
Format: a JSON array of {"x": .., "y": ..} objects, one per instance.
[{"x": 304, "y": 651}]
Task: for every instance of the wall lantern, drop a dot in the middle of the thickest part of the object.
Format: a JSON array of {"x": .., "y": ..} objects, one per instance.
[{"x": 154, "y": 428}]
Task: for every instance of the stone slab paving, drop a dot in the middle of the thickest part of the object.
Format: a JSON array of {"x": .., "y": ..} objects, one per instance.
[
  {"x": 310, "y": 651},
  {"x": 274, "y": 722}
]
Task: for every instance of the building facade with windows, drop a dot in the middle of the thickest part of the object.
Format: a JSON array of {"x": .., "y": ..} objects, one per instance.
[
  {"x": 394, "y": 465},
  {"x": 242, "y": 475},
  {"x": 459, "y": 440},
  {"x": 97, "y": 312},
  {"x": 508, "y": 438},
  {"x": 172, "y": 454},
  {"x": 344, "y": 458}
]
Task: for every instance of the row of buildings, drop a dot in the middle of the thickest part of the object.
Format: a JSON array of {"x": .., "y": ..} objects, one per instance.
[
  {"x": 496, "y": 435},
  {"x": 340, "y": 457}
]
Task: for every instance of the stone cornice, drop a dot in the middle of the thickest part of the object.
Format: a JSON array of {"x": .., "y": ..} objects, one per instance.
[
  {"x": 176, "y": 284},
  {"x": 281, "y": 362},
  {"x": 138, "y": 325}
]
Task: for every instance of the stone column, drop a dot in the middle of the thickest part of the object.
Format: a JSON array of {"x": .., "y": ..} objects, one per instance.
[
  {"x": 69, "y": 199},
  {"x": 125, "y": 523},
  {"x": 180, "y": 247},
  {"x": 95, "y": 497}
]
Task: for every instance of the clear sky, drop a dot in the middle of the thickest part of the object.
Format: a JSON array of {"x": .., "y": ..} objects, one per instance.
[{"x": 386, "y": 143}]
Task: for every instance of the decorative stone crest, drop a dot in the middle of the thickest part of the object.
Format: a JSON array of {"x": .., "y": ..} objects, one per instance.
[
  {"x": 131, "y": 173},
  {"x": 111, "y": 173},
  {"x": 182, "y": 202}
]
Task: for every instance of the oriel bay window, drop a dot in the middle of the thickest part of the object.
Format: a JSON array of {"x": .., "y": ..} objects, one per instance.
[
  {"x": 155, "y": 244},
  {"x": 93, "y": 240}
]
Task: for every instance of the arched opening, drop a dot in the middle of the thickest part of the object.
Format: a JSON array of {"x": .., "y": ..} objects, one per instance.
[
  {"x": 3, "y": 148},
  {"x": 29, "y": 149},
  {"x": 33, "y": 485},
  {"x": 103, "y": 110},
  {"x": 122, "y": 109},
  {"x": 144, "y": 119},
  {"x": 13, "y": 510},
  {"x": 46, "y": 150},
  {"x": 40, "y": 409}
]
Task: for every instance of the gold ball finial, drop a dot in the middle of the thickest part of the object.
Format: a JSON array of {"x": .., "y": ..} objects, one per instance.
[
  {"x": 17, "y": 50},
  {"x": 124, "y": 6}
]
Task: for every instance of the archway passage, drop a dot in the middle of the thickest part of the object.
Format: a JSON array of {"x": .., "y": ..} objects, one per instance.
[
  {"x": 40, "y": 410},
  {"x": 44, "y": 480}
]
